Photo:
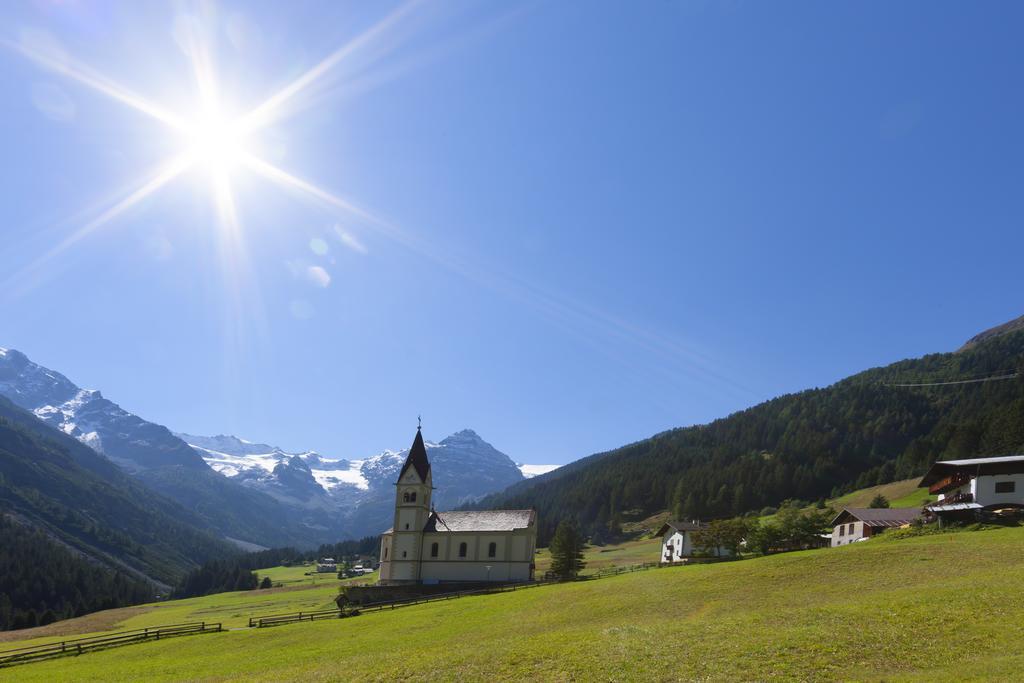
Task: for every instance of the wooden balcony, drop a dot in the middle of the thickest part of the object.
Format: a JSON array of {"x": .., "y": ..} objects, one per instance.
[
  {"x": 953, "y": 481},
  {"x": 956, "y": 498}
]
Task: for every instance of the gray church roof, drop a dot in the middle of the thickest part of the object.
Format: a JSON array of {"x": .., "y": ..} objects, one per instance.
[{"x": 480, "y": 520}]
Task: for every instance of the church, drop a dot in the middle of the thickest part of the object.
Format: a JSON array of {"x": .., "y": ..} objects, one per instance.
[{"x": 429, "y": 547}]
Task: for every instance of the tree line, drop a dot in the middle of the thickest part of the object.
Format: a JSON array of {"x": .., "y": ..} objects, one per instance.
[
  {"x": 791, "y": 528},
  {"x": 42, "y": 581},
  {"x": 811, "y": 445}
]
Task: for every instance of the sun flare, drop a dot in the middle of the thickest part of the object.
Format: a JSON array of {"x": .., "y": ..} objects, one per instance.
[{"x": 213, "y": 141}]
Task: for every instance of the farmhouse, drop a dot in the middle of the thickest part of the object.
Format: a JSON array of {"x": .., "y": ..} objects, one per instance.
[
  {"x": 326, "y": 564},
  {"x": 855, "y": 524},
  {"x": 968, "y": 488},
  {"x": 429, "y": 547},
  {"x": 677, "y": 541}
]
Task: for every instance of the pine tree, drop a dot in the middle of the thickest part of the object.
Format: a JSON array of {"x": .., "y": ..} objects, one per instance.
[
  {"x": 567, "y": 548},
  {"x": 879, "y": 501}
]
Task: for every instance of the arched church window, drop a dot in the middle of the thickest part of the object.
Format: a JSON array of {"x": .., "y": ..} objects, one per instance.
[
  {"x": 385, "y": 553},
  {"x": 405, "y": 497},
  {"x": 492, "y": 550},
  {"x": 433, "y": 550},
  {"x": 403, "y": 553},
  {"x": 407, "y": 525},
  {"x": 462, "y": 549},
  {"x": 412, "y": 497}
]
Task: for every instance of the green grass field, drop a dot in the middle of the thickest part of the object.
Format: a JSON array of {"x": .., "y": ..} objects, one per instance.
[
  {"x": 298, "y": 592},
  {"x": 604, "y": 556},
  {"x": 899, "y": 493},
  {"x": 945, "y": 607}
]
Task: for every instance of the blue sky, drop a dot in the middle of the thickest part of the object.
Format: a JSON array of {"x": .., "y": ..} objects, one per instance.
[{"x": 580, "y": 223}]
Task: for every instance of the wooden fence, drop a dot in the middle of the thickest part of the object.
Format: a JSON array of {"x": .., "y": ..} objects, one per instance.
[
  {"x": 353, "y": 610},
  {"x": 294, "y": 617},
  {"x": 77, "y": 646}
]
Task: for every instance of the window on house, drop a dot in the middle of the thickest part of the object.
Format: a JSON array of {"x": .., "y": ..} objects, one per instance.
[
  {"x": 842, "y": 530},
  {"x": 851, "y": 528},
  {"x": 462, "y": 549},
  {"x": 433, "y": 550},
  {"x": 1006, "y": 486},
  {"x": 492, "y": 550}
]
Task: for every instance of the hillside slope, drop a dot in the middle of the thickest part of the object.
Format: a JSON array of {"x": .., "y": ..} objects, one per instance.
[
  {"x": 42, "y": 581},
  {"x": 155, "y": 456},
  {"x": 862, "y": 612},
  {"x": 1005, "y": 328},
  {"x": 51, "y": 481},
  {"x": 861, "y": 431}
]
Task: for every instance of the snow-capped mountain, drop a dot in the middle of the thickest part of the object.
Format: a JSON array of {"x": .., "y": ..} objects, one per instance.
[
  {"x": 155, "y": 456},
  {"x": 531, "y": 471},
  {"x": 249, "y": 491},
  {"x": 305, "y": 479},
  {"x": 465, "y": 467},
  {"x": 85, "y": 414}
]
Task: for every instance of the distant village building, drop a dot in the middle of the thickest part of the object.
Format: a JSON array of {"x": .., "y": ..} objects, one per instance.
[
  {"x": 677, "y": 541},
  {"x": 327, "y": 564},
  {"x": 855, "y": 524},
  {"x": 968, "y": 488},
  {"x": 429, "y": 547}
]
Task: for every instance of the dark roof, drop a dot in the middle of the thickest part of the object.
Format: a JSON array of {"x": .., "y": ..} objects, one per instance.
[
  {"x": 876, "y": 517},
  {"x": 681, "y": 526},
  {"x": 480, "y": 520},
  {"x": 1005, "y": 464},
  {"x": 417, "y": 458}
]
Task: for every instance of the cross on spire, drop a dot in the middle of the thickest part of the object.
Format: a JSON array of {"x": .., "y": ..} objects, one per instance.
[{"x": 419, "y": 423}]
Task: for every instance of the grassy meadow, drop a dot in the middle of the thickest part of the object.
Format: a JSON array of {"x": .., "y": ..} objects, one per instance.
[
  {"x": 948, "y": 606},
  {"x": 900, "y": 494},
  {"x": 296, "y": 592},
  {"x": 599, "y": 557}
]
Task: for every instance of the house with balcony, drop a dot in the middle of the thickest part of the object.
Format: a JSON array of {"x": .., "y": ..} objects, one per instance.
[{"x": 968, "y": 489}]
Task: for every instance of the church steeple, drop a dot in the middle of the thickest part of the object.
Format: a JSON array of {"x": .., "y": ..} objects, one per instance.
[{"x": 417, "y": 458}]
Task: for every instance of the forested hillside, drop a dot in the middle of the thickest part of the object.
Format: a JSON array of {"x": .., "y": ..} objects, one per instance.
[
  {"x": 42, "y": 581},
  {"x": 861, "y": 431},
  {"x": 51, "y": 481}
]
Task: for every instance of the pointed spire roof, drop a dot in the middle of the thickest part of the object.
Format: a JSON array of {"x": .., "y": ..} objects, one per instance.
[{"x": 417, "y": 458}]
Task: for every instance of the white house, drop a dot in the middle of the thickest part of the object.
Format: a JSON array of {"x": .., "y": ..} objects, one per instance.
[
  {"x": 327, "y": 564},
  {"x": 856, "y": 524},
  {"x": 966, "y": 488},
  {"x": 426, "y": 546},
  {"x": 677, "y": 541}
]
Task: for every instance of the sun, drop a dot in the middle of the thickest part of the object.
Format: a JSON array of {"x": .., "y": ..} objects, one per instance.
[
  {"x": 210, "y": 137},
  {"x": 214, "y": 141}
]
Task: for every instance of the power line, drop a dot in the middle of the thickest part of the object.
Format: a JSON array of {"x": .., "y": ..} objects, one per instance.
[{"x": 960, "y": 381}]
